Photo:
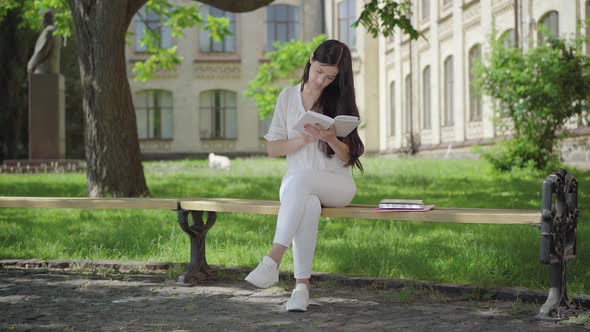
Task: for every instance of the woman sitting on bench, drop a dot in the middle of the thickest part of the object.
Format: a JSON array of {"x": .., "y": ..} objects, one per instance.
[{"x": 319, "y": 163}]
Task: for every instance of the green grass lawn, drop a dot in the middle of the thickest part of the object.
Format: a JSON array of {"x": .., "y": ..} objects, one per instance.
[{"x": 485, "y": 255}]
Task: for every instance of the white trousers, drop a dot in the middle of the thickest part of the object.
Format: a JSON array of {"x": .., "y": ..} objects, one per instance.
[{"x": 302, "y": 195}]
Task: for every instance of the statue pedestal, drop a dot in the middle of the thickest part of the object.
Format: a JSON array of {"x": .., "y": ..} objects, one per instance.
[{"x": 47, "y": 125}]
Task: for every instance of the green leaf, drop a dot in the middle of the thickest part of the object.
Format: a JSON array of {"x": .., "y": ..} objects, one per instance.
[{"x": 540, "y": 90}]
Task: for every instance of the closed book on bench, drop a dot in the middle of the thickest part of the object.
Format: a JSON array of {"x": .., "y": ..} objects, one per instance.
[
  {"x": 390, "y": 203},
  {"x": 344, "y": 124}
]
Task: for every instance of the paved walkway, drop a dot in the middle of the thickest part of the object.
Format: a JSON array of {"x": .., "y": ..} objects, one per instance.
[{"x": 38, "y": 300}]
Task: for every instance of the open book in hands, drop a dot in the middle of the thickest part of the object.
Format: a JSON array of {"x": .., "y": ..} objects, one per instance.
[{"x": 344, "y": 124}]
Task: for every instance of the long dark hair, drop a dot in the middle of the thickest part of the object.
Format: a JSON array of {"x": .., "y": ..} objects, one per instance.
[{"x": 338, "y": 97}]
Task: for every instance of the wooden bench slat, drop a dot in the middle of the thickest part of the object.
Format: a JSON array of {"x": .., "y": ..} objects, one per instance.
[
  {"x": 88, "y": 203},
  {"x": 231, "y": 205},
  {"x": 476, "y": 216},
  {"x": 467, "y": 216},
  {"x": 354, "y": 211}
]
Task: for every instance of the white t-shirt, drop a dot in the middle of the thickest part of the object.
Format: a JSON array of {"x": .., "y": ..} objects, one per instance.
[{"x": 288, "y": 109}]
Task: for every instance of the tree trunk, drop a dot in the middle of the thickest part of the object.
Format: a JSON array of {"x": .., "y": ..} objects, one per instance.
[{"x": 113, "y": 157}]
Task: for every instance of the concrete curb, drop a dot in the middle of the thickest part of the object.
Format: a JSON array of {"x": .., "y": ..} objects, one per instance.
[{"x": 505, "y": 294}]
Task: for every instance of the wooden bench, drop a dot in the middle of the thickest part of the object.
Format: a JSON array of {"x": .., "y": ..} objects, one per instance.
[{"x": 548, "y": 219}]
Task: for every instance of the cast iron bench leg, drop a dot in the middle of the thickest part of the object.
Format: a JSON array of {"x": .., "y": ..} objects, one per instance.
[
  {"x": 198, "y": 269},
  {"x": 559, "y": 223}
]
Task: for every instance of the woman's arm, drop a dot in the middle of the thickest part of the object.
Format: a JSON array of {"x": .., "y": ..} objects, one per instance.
[
  {"x": 288, "y": 146},
  {"x": 339, "y": 147}
]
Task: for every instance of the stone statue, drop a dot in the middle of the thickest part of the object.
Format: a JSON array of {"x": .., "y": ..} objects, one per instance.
[
  {"x": 45, "y": 59},
  {"x": 46, "y": 96}
]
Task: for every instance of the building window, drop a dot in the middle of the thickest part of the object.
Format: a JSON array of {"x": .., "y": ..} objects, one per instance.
[
  {"x": 425, "y": 9},
  {"x": 508, "y": 38},
  {"x": 282, "y": 24},
  {"x": 149, "y": 20},
  {"x": 408, "y": 103},
  {"x": 474, "y": 96},
  {"x": 426, "y": 94},
  {"x": 153, "y": 111},
  {"x": 206, "y": 42},
  {"x": 548, "y": 24},
  {"x": 264, "y": 125},
  {"x": 392, "y": 109},
  {"x": 217, "y": 114},
  {"x": 346, "y": 17},
  {"x": 448, "y": 91}
]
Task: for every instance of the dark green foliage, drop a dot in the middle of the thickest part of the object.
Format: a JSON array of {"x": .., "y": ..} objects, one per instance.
[
  {"x": 15, "y": 50},
  {"x": 286, "y": 64},
  {"x": 383, "y": 16},
  {"x": 536, "y": 93}
]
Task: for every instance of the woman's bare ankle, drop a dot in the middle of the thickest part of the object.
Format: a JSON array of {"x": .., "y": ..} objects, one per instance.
[
  {"x": 302, "y": 281},
  {"x": 277, "y": 252}
]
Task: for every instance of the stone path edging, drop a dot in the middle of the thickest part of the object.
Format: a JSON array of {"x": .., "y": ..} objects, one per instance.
[{"x": 505, "y": 293}]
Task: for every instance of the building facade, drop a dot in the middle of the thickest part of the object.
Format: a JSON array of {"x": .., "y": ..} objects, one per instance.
[
  {"x": 412, "y": 95},
  {"x": 200, "y": 106},
  {"x": 427, "y": 100}
]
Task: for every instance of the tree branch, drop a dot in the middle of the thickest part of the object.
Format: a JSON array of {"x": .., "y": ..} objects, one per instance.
[
  {"x": 237, "y": 6},
  {"x": 132, "y": 7}
]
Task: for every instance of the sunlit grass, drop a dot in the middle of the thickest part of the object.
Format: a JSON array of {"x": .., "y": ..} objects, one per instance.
[{"x": 487, "y": 255}]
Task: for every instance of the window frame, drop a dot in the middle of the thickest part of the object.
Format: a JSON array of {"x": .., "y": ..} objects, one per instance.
[
  {"x": 392, "y": 108},
  {"x": 408, "y": 103},
  {"x": 230, "y": 41},
  {"x": 449, "y": 82},
  {"x": 218, "y": 114},
  {"x": 544, "y": 21},
  {"x": 153, "y": 108},
  {"x": 350, "y": 10},
  {"x": 424, "y": 9},
  {"x": 508, "y": 38},
  {"x": 291, "y": 20},
  {"x": 475, "y": 101},
  {"x": 164, "y": 32},
  {"x": 427, "y": 98}
]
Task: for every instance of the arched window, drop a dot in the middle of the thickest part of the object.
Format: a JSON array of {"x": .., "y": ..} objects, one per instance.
[
  {"x": 408, "y": 103},
  {"x": 206, "y": 42},
  {"x": 347, "y": 16},
  {"x": 426, "y": 94},
  {"x": 150, "y": 20},
  {"x": 154, "y": 114},
  {"x": 474, "y": 96},
  {"x": 392, "y": 109},
  {"x": 508, "y": 38},
  {"x": 448, "y": 91},
  {"x": 217, "y": 114},
  {"x": 548, "y": 26},
  {"x": 282, "y": 24},
  {"x": 425, "y": 9}
]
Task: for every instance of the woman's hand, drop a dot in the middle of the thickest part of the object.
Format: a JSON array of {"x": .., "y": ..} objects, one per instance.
[
  {"x": 309, "y": 138},
  {"x": 317, "y": 132}
]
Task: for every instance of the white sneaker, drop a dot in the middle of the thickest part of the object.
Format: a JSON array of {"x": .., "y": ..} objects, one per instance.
[
  {"x": 265, "y": 274},
  {"x": 299, "y": 299}
]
